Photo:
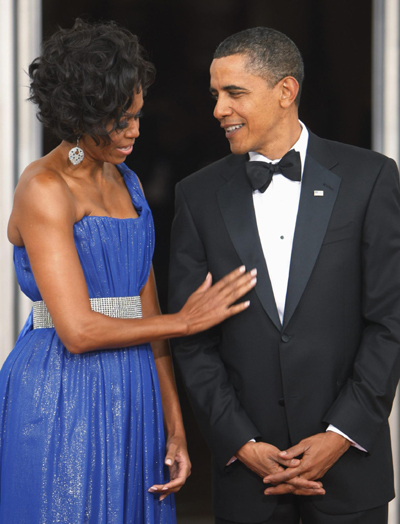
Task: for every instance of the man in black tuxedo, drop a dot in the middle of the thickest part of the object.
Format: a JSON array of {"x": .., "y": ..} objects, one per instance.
[{"x": 294, "y": 394}]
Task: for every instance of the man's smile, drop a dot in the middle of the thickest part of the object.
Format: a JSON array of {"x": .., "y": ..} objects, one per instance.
[{"x": 232, "y": 129}]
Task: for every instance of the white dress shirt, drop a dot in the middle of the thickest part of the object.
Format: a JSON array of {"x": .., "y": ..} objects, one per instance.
[{"x": 276, "y": 214}]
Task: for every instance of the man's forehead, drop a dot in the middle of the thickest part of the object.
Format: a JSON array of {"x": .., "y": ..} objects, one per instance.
[
  {"x": 229, "y": 71},
  {"x": 232, "y": 73},
  {"x": 236, "y": 62}
]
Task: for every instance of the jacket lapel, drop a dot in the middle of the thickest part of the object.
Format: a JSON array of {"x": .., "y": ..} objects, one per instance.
[
  {"x": 237, "y": 208},
  {"x": 312, "y": 220}
]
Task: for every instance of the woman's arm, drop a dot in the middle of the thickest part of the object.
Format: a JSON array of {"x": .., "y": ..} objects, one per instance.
[
  {"x": 44, "y": 215},
  {"x": 177, "y": 457}
]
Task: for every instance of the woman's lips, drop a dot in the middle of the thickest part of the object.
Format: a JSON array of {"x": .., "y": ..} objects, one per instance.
[{"x": 125, "y": 150}]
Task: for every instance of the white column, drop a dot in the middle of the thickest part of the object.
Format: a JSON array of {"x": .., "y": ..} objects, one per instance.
[
  {"x": 7, "y": 166},
  {"x": 20, "y": 143},
  {"x": 386, "y": 78},
  {"x": 386, "y": 140},
  {"x": 29, "y": 132}
]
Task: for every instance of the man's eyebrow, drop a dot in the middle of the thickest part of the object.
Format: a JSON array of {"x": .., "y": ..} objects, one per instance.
[{"x": 229, "y": 88}]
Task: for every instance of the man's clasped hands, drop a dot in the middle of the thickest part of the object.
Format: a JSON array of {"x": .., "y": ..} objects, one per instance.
[{"x": 297, "y": 469}]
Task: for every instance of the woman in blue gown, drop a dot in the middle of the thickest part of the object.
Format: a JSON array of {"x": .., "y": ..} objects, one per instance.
[{"x": 84, "y": 393}]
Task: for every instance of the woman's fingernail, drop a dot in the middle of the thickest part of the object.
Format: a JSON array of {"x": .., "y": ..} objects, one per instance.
[
  {"x": 152, "y": 490},
  {"x": 164, "y": 488},
  {"x": 247, "y": 303},
  {"x": 253, "y": 272},
  {"x": 169, "y": 462}
]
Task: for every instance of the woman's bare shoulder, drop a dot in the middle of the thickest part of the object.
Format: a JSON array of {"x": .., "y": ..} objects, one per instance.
[
  {"x": 41, "y": 195},
  {"x": 40, "y": 172}
]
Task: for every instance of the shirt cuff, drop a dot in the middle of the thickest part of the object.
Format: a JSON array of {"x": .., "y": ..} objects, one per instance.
[
  {"x": 336, "y": 430},
  {"x": 234, "y": 458}
]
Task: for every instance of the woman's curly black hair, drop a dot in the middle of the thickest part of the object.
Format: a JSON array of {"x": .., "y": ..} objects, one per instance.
[{"x": 86, "y": 78}]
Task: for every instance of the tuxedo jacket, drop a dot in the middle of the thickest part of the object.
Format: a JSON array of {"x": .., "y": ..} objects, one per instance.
[{"x": 335, "y": 360}]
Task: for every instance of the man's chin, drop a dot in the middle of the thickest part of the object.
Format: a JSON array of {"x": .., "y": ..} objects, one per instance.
[{"x": 237, "y": 149}]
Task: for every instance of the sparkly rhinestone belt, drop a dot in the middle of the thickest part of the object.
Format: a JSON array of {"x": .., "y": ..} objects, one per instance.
[{"x": 116, "y": 307}]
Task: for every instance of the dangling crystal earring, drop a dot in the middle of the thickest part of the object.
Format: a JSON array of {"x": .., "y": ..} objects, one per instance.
[{"x": 76, "y": 154}]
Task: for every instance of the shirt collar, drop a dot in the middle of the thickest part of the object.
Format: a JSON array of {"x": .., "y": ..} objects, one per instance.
[{"x": 300, "y": 146}]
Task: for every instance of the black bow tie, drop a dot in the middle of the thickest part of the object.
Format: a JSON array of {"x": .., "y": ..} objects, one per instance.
[{"x": 261, "y": 173}]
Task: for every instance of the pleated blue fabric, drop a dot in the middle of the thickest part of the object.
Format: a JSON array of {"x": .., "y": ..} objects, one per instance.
[{"x": 81, "y": 436}]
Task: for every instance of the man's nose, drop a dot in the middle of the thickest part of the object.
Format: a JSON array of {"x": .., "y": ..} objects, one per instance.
[{"x": 222, "y": 108}]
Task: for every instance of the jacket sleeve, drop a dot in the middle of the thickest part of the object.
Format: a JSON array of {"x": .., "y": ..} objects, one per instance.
[
  {"x": 222, "y": 419},
  {"x": 364, "y": 403}
]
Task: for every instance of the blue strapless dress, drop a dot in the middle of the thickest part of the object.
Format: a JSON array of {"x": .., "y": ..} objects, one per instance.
[{"x": 81, "y": 436}]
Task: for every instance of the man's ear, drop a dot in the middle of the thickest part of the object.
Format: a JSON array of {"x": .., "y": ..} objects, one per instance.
[{"x": 289, "y": 87}]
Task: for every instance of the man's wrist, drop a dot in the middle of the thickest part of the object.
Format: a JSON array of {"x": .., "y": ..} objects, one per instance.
[
  {"x": 244, "y": 451},
  {"x": 234, "y": 458},
  {"x": 334, "y": 429},
  {"x": 340, "y": 441}
]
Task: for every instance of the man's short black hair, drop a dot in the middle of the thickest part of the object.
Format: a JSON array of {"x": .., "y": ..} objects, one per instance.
[
  {"x": 270, "y": 54},
  {"x": 85, "y": 80}
]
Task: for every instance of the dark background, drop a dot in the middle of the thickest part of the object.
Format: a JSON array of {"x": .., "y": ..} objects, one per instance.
[{"x": 178, "y": 132}]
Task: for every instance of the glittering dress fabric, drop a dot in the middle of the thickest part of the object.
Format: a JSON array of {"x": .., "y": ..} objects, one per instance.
[{"x": 81, "y": 436}]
